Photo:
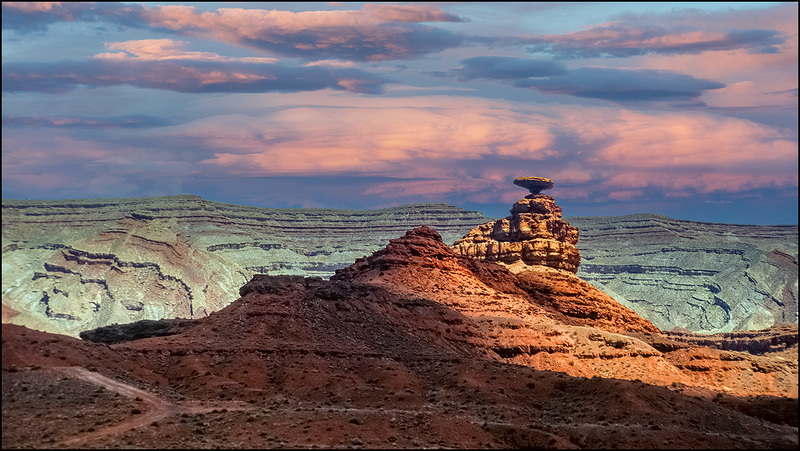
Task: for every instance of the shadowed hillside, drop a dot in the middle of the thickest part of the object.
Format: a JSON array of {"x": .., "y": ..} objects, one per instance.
[{"x": 412, "y": 347}]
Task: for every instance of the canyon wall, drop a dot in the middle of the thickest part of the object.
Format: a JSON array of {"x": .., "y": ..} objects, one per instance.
[
  {"x": 74, "y": 265},
  {"x": 703, "y": 277}
]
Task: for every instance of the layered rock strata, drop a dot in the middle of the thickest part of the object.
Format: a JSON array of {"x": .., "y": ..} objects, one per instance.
[
  {"x": 534, "y": 235},
  {"x": 422, "y": 263},
  {"x": 777, "y": 341},
  {"x": 308, "y": 363},
  {"x": 703, "y": 277},
  {"x": 412, "y": 347},
  {"x": 549, "y": 319},
  {"x": 73, "y": 265}
]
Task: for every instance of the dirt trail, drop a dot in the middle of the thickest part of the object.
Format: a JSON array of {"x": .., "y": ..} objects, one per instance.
[{"x": 157, "y": 408}]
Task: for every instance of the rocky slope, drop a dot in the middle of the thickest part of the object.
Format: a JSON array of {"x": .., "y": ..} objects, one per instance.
[
  {"x": 703, "y": 277},
  {"x": 412, "y": 347},
  {"x": 550, "y": 319},
  {"x": 74, "y": 265}
]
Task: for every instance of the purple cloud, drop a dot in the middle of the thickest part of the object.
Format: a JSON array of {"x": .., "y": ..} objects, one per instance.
[
  {"x": 84, "y": 122},
  {"x": 184, "y": 76},
  {"x": 507, "y": 67},
  {"x": 374, "y": 33},
  {"x": 381, "y": 42},
  {"x": 622, "y": 85},
  {"x": 626, "y": 40}
]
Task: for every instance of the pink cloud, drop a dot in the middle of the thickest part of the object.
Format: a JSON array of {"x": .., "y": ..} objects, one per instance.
[
  {"x": 686, "y": 152},
  {"x": 621, "y": 37},
  {"x": 665, "y": 141},
  {"x": 434, "y": 148},
  {"x": 687, "y": 31},
  {"x": 374, "y": 33},
  {"x": 626, "y": 40},
  {"x": 332, "y": 63},
  {"x": 753, "y": 78},
  {"x": 167, "y": 49},
  {"x": 409, "y": 13},
  {"x": 728, "y": 19},
  {"x": 374, "y": 138},
  {"x": 752, "y": 51},
  {"x": 444, "y": 145},
  {"x": 30, "y": 7}
]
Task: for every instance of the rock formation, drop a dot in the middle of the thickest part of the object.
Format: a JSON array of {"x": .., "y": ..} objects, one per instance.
[
  {"x": 550, "y": 319},
  {"x": 534, "y": 234},
  {"x": 420, "y": 262},
  {"x": 398, "y": 350},
  {"x": 146, "y": 328},
  {"x": 71, "y": 265},
  {"x": 534, "y": 184},
  {"x": 702, "y": 277},
  {"x": 775, "y": 340}
]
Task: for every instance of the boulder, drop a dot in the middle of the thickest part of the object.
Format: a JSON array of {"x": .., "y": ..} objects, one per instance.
[{"x": 535, "y": 184}]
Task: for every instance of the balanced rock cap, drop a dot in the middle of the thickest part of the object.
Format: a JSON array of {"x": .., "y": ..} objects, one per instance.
[{"x": 534, "y": 184}]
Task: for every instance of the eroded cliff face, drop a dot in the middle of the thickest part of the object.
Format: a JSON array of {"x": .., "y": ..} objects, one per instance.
[
  {"x": 74, "y": 265},
  {"x": 703, "y": 277},
  {"x": 80, "y": 264},
  {"x": 534, "y": 235},
  {"x": 550, "y": 319},
  {"x": 125, "y": 270}
]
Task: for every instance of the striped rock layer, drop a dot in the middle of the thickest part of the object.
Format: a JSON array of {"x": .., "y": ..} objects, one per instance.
[{"x": 534, "y": 235}]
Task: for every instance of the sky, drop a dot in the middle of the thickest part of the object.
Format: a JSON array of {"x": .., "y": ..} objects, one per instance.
[{"x": 682, "y": 109}]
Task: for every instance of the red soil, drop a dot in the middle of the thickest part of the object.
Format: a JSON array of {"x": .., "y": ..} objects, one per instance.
[{"x": 411, "y": 358}]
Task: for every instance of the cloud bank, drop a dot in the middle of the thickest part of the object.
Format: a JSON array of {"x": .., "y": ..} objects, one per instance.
[
  {"x": 622, "y": 85},
  {"x": 622, "y": 40},
  {"x": 163, "y": 64},
  {"x": 384, "y": 104},
  {"x": 377, "y": 32},
  {"x": 431, "y": 147},
  {"x": 507, "y": 68},
  {"x": 613, "y": 84}
]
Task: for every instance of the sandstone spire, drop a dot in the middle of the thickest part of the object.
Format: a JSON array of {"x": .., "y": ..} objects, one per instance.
[{"x": 534, "y": 234}]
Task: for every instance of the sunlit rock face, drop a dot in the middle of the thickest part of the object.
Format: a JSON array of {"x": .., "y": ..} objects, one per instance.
[
  {"x": 534, "y": 234},
  {"x": 703, "y": 277}
]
